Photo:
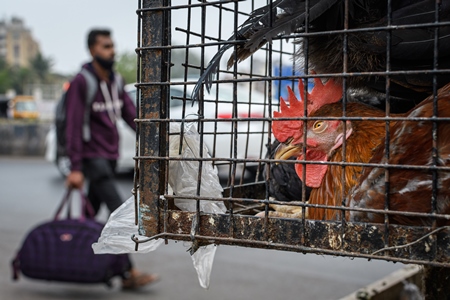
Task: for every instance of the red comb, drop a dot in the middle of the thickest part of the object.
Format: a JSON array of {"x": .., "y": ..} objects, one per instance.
[{"x": 320, "y": 95}]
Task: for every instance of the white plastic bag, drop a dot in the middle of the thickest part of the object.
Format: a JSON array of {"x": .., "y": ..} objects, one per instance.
[
  {"x": 117, "y": 233},
  {"x": 203, "y": 260},
  {"x": 183, "y": 176}
]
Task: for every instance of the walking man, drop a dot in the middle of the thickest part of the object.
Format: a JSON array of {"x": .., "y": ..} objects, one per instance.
[{"x": 93, "y": 151}]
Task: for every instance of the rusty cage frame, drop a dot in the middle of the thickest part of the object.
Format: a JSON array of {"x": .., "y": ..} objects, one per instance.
[{"x": 155, "y": 212}]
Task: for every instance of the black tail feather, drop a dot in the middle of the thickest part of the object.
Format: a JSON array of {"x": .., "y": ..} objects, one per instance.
[
  {"x": 258, "y": 16},
  {"x": 208, "y": 74},
  {"x": 290, "y": 19},
  {"x": 264, "y": 23}
]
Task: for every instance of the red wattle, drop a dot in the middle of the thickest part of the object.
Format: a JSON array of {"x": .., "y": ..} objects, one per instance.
[{"x": 314, "y": 173}]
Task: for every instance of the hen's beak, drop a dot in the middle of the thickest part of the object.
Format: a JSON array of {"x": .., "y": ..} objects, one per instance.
[{"x": 286, "y": 151}]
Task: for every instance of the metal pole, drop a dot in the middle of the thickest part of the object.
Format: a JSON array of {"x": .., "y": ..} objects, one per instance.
[{"x": 153, "y": 135}]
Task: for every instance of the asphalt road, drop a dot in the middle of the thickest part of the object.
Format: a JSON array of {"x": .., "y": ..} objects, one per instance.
[{"x": 30, "y": 190}]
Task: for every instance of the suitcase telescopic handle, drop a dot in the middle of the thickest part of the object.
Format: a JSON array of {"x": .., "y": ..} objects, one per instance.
[{"x": 87, "y": 211}]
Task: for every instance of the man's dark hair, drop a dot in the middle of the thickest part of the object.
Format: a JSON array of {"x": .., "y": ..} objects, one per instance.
[{"x": 92, "y": 36}]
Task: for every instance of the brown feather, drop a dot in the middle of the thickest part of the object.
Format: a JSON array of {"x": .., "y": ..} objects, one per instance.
[
  {"x": 410, "y": 189},
  {"x": 359, "y": 148}
]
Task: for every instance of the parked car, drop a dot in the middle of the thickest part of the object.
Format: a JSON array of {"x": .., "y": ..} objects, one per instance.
[
  {"x": 24, "y": 107},
  {"x": 217, "y": 130},
  {"x": 249, "y": 136}
]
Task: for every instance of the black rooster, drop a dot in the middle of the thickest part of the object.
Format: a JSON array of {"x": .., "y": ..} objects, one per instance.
[
  {"x": 283, "y": 182},
  {"x": 411, "y": 45}
]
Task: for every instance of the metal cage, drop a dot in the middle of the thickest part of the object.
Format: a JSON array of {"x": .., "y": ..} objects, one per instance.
[{"x": 176, "y": 40}]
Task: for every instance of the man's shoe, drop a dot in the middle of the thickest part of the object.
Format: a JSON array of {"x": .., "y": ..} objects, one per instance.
[{"x": 137, "y": 279}]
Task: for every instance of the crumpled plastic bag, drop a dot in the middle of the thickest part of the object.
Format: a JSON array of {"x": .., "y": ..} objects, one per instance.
[
  {"x": 117, "y": 233},
  {"x": 183, "y": 175},
  {"x": 203, "y": 260}
]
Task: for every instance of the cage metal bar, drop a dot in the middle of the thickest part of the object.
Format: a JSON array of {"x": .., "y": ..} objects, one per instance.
[
  {"x": 353, "y": 240},
  {"x": 304, "y": 34},
  {"x": 414, "y": 119},
  {"x": 387, "y": 181},
  {"x": 216, "y": 99},
  {"x": 434, "y": 152},
  {"x": 330, "y": 75},
  {"x": 183, "y": 113},
  {"x": 376, "y": 165},
  {"x": 435, "y": 279},
  {"x": 305, "y": 111},
  {"x": 138, "y": 100},
  {"x": 305, "y": 250},
  {"x": 344, "y": 102},
  {"x": 152, "y": 139},
  {"x": 300, "y": 204},
  {"x": 172, "y": 7}
]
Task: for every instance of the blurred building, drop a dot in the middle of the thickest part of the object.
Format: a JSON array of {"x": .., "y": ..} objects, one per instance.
[{"x": 17, "y": 45}]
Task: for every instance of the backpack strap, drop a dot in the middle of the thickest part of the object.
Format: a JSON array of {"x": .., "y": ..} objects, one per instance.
[
  {"x": 119, "y": 81},
  {"x": 91, "y": 83}
]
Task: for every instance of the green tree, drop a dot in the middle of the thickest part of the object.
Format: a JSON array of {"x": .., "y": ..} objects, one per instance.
[
  {"x": 126, "y": 65},
  {"x": 41, "y": 67},
  {"x": 19, "y": 77},
  {"x": 5, "y": 79},
  {"x": 16, "y": 77}
]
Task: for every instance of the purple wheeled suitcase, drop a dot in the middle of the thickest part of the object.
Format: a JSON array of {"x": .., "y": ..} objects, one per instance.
[{"x": 61, "y": 250}]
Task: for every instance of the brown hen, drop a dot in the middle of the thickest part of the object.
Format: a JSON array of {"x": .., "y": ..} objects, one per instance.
[
  {"x": 411, "y": 189},
  {"x": 410, "y": 144}
]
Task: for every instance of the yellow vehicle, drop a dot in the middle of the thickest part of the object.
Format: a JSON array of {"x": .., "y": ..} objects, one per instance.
[{"x": 24, "y": 107}]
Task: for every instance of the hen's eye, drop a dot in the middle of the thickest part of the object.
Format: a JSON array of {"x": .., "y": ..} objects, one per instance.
[{"x": 319, "y": 126}]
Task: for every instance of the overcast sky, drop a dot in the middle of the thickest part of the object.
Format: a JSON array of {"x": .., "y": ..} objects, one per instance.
[{"x": 61, "y": 27}]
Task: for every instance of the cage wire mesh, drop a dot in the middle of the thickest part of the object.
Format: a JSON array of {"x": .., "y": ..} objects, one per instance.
[{"x": 206, "y": 167}]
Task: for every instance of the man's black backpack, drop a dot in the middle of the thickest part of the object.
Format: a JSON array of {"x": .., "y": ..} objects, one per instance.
[{"x": 60, "y": 119}]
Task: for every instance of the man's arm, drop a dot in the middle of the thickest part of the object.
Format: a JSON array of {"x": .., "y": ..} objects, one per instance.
[
  {"x": 75, "y": 106},
  {"x": 128, "y": 110}
]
